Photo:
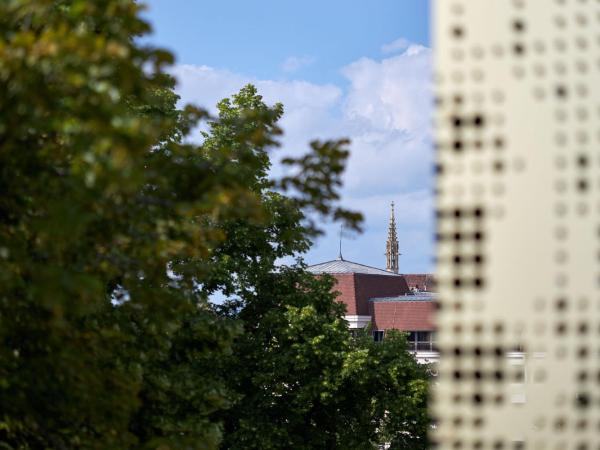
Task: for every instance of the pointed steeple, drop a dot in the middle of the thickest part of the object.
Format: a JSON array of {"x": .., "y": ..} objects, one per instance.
[{"x": 391, "y": 247}]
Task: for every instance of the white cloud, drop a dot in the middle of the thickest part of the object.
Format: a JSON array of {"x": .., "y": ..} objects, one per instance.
[
  {"x": 396, "y": 46},
  {"x": 205, "y": 86},
  {"x": 386, "y": 111},
  {"x": 294, "y": 63},
  {"x": 307, "y": 105},
  {"x": 392, "y": 94}
]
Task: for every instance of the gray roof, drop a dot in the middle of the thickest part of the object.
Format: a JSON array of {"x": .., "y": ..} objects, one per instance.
[
  {"x": 343, "y": 266},
  {"x": 420, "y": 297}
]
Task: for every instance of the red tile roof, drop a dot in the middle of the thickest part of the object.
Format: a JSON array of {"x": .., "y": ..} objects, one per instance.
[
  {"x": 356, "y": 289},
  {"x": 405, "y": 315},
  {"x": 367, "y": 291}
]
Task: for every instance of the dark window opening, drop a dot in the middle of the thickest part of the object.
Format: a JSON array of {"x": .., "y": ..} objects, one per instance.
[{"x": 378, "y": 335}]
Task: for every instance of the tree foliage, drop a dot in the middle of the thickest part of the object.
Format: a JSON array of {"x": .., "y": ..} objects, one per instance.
[
  {"x": 114, "y": 231},
  {"x": 98, "y": 196},
  {"x": 297, "y": 377}
]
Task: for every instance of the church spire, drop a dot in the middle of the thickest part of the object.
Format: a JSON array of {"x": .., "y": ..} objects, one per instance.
[{"x": 391, "y": 247}]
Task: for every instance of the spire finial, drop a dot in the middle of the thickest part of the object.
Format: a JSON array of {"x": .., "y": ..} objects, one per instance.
[
  {"x": 340, "y": 257},
  {"x": 391, "y": 247}
]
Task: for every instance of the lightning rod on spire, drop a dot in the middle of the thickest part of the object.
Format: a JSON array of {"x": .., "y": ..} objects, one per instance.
[{"x": 340, "y": 257}]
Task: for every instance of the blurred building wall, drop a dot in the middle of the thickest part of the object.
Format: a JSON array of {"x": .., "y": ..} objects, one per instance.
[{"x": 517, "y": 131}]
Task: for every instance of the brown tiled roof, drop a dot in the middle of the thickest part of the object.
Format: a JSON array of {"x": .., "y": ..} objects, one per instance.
[
  {"x": 405, "y": 315},
  {"x": 357, "y": 288},
  {"x": 382, "y": 295}
]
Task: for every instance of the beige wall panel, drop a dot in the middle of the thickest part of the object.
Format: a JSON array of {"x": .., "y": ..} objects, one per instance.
[{"x": 518, "y": 156}]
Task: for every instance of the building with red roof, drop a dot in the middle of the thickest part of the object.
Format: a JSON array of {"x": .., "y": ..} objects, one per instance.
[{"x": 385, "y": 299}]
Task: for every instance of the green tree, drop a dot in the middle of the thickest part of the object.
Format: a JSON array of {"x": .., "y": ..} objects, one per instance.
[
  {"x": 91, "y": 209},
  {"x": 108, "y": 224},
  {"x": 384, "y": 395},
  {"x": 113, "y": 234},
  {"x": 298, "y": 377}
]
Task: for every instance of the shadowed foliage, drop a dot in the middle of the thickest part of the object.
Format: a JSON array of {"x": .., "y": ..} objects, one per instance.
[{"x": 114, "y": 231}]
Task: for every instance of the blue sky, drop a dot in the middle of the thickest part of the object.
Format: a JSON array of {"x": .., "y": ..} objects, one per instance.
[
  {"x": 253, "y": 37},
  {"x": 341, "y": 68}
]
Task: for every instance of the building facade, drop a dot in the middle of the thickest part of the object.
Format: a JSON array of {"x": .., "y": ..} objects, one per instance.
[{"x": 385, "y": 299}]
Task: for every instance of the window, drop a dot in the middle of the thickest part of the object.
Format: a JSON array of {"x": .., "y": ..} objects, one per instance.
[
  {"x": 378, "y": 335},
  {"x": 421, "y": 341}
]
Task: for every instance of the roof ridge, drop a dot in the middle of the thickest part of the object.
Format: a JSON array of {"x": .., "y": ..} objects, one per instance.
[
  {"x": 415, "y": 298},
  {"x": 330, "y": 261},
  {"x": 356, "y": 263}
]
